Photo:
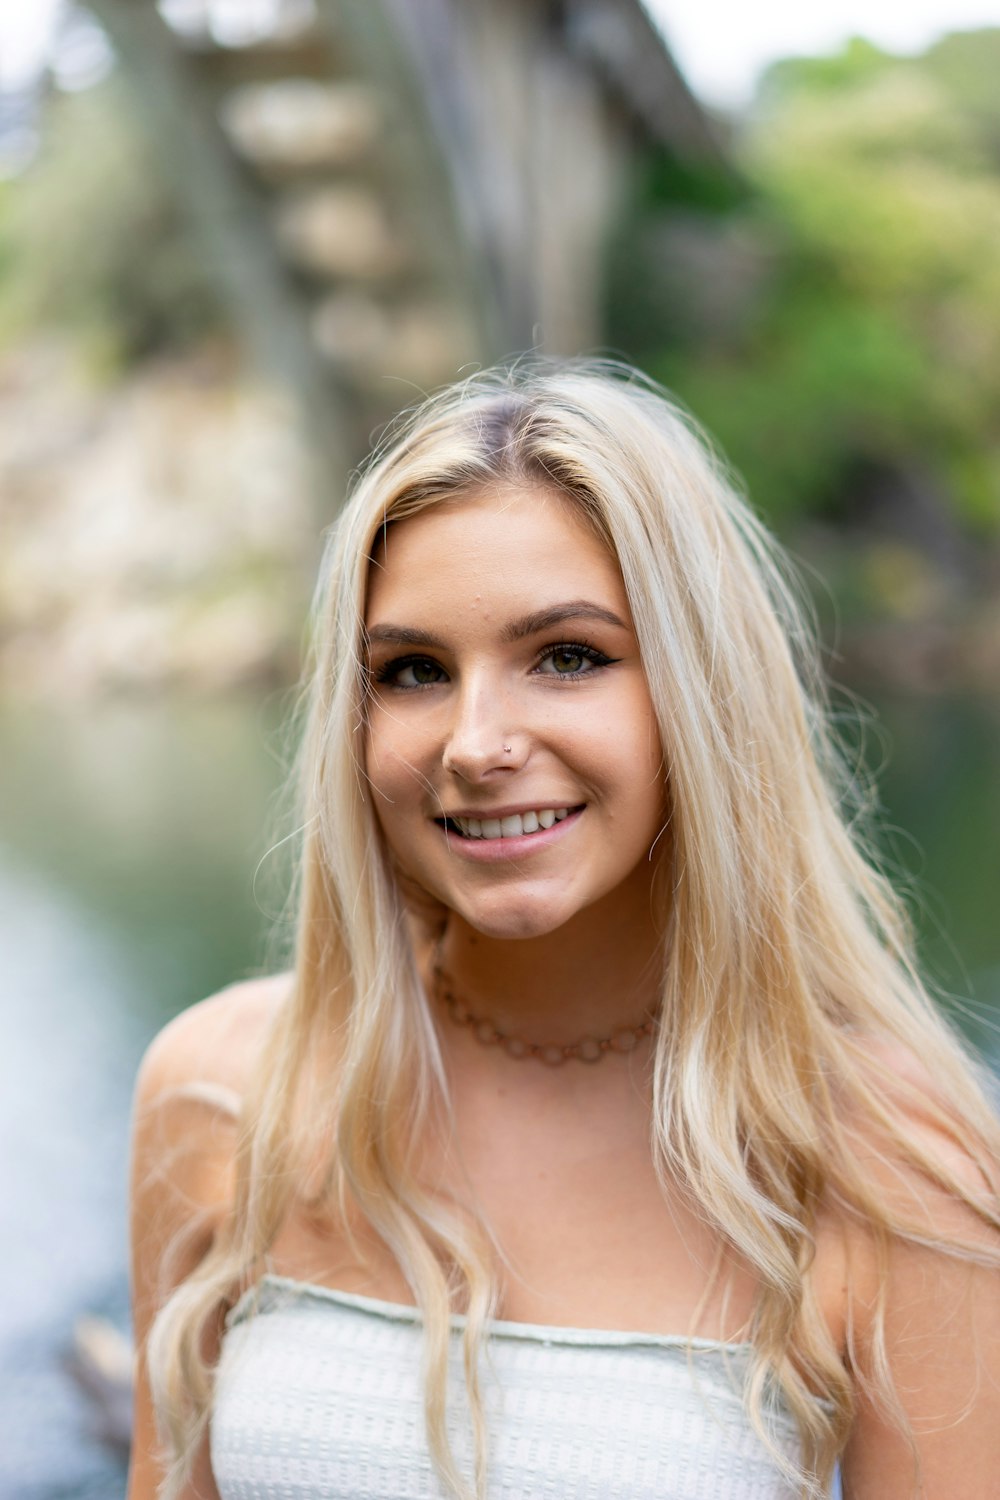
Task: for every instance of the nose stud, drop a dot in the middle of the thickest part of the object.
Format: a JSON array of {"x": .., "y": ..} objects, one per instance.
[{"x": 506, "y": 749}]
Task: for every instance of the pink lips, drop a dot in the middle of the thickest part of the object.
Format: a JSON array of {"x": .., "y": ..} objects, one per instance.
[{"x": 491, "y": 851}]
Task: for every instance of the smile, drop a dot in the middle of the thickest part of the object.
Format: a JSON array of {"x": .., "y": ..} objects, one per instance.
[{"x": 514, "y": 826}]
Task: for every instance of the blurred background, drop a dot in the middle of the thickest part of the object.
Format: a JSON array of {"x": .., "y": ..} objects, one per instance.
[{"x": 236, "y": 236}]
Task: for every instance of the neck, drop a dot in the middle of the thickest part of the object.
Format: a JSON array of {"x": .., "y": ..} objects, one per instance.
[{"x": 599, "y": 971}]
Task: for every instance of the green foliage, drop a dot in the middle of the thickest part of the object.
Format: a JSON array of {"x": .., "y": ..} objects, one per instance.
[
  {"x": 825, "y": 382},
  {"x": 967, "y": 66},
  {"x": 91, "y": 241},
  {"x": 664, "y": 177},
  {"x": 857, "y": 63},
  {"x": 872, "y": 332}
]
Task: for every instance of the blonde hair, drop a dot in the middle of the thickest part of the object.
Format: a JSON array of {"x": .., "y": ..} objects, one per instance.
[{"x": 789, "y": 954}]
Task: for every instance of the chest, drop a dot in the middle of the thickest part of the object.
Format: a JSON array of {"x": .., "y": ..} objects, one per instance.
[
  {"x": 586, "y": 1233},
  {"x": 592, "y": 1235},
  {"x": 320, "y": 1395}
]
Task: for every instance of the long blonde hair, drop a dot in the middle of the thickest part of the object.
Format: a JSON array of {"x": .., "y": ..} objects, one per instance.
[{"x": 789, "y": 953}]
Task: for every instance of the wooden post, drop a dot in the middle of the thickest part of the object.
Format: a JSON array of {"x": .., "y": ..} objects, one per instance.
[{"x": 227, "y": 217}]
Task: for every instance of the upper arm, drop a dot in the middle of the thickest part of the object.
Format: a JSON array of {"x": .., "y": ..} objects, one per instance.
[
  {"x": 943, "y": 1350},
  {"x": 187, "y": 1096},
  {"x": 942, "y": 1345}
]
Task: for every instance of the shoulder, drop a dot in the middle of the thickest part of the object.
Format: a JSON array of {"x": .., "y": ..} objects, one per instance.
[
  {"x": 188, "y": 1099},
  {"x": 208, "y": 1051},
  {"x": 917, "y": 1163},
  {"x": 923, "y": 1319},
  {"x": 932, "y": 1158},
  {"x": 185, "y": 1121}
]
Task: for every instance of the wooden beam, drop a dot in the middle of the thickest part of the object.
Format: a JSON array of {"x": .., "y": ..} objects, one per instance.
[
  {"x": 306, "y": 55},
  {"x": 623, "y": 45},
  {"x": 226, "y": 214},
  {"x": 426, "y": 180}
]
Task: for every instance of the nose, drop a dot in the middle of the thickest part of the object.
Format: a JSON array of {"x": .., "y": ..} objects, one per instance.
[{"x": 482, "y": 737}]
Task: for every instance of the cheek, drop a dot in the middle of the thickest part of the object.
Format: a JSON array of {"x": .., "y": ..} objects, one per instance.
[
  {"x": 641, "y": 747},
  {"x": 392, "y": 788},
  {"x": 382, "y": 775},
  {"x": 649, "y": 768},
  {"x": 390, "y": 794},
  {"x": 394, "y": 770},
  {"x": 388, "y": 750}
]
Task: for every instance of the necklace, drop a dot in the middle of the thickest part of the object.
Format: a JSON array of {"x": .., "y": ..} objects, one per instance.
[{"x": 589, "y": 1049}]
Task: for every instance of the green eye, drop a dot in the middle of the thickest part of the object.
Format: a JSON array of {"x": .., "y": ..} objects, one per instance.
[
  {"x": 571, "y": 660},
  {"x": 423, "y": 671},
  {"x": 412, "y": 672}
]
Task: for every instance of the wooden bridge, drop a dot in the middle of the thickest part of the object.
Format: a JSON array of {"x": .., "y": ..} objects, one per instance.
[{"x": 388, "y": 190}]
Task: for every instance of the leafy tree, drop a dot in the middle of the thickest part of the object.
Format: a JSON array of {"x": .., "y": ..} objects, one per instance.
[
  {"x": 90, "y": 241},
  {"x": 870, "y": 339}
]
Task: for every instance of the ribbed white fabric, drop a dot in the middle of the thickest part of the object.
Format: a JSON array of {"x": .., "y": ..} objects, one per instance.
[{"x": 319, "y": 1397}]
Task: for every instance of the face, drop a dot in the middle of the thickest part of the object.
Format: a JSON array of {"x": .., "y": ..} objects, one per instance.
[{"x": 512, "y": 751}]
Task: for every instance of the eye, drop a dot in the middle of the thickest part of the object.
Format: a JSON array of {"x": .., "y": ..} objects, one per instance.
[
  {"x": 410, "y": 672},
  {"x": 571, "y": 660}
]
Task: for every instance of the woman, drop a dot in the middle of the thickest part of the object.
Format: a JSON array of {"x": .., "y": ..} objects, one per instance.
[{"x": 603, "y": 1049}]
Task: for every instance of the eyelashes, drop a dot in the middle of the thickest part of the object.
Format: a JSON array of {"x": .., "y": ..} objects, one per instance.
[
  {"x": 392, "y": 672},
  {"x": 570, "y": 649},
  {"x": 413, "y": 672}
]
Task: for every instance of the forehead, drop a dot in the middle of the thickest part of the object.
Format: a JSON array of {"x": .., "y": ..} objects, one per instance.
[{"x": 506, "y": 542}]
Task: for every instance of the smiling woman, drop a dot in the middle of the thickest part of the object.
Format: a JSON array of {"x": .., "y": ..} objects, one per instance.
[
  {"x": 505, "y": 721},
  {"x": 603, "y": 1141}
]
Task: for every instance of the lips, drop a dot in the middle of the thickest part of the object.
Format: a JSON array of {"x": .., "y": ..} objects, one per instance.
[{"x": 508, "y": 826}]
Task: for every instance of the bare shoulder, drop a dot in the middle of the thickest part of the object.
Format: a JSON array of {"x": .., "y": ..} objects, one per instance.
[
  {"x": 928, "y": 1170},
  {"x": 210, "y": 1049},
  {"x": 926, "y": 1310},
  {"x": 919, "y": 1312},
  {"x": 942, "y": 1161},
  {"x": 184, "y": 1135},
  {"x": 186, "y": 1112}
]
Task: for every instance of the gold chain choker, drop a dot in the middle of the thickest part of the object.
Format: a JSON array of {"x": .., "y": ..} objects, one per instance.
[{"x": 589, "y": 1049}]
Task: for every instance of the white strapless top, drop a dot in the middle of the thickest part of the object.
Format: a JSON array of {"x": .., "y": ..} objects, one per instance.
[{"x": 319, "y": 1397}]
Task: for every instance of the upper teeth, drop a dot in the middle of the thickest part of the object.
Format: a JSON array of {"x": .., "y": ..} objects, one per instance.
[{"x": 512, "y": 826}]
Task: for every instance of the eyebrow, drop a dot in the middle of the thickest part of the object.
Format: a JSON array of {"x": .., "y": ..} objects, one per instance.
[{"x": 516, "y": 630}]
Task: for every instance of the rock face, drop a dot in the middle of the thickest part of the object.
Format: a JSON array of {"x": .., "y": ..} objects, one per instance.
[{"x": 154, "y": 532}]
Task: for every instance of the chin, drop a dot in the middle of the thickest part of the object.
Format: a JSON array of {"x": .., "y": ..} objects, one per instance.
[{"x": 514, "y": 921}]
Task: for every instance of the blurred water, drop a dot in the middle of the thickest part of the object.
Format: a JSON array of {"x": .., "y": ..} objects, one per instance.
[
  {"x": 128, "y": 842},
  {"x": 70, "y": 1051},
  {"x": 129, "y": 837},
  {"x": 941, "y": 794}
]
